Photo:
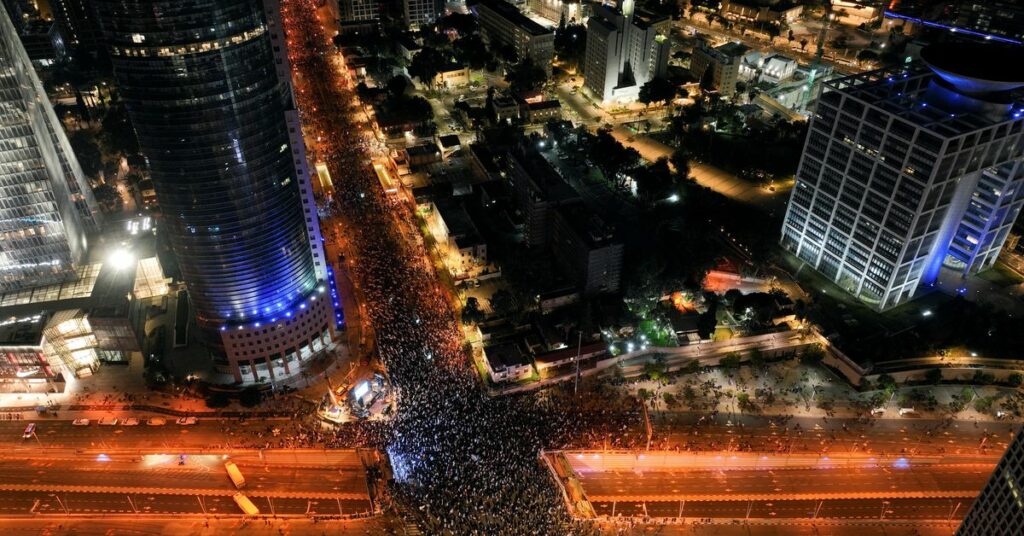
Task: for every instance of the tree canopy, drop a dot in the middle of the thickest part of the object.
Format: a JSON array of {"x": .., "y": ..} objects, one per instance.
[
  {"x": 426, "y": 64},
  {"x": 657, "y": 90},
  {"x": 526, "y": 76},
  {"x": 87, "y": 152}
]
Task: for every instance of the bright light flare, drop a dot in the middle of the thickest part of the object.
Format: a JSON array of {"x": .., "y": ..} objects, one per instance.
[{"x": 121, "y": 259}]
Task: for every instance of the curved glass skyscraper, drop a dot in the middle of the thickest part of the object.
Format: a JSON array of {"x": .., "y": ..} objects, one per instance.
[{"x": 199, "y": 80}]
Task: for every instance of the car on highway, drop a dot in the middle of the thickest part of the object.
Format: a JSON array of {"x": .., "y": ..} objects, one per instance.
[
  {"x": 30, "y": 430},
  {"x": 80, "y": 422},
  {"x": 107, "y": 421},
  {"x": 187, "y": 421},
  {"x": 156, "y": 421},
  {"x": 130, "y": 421}
]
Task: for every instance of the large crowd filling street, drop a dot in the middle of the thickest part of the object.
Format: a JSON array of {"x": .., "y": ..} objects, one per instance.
[{"x": 464, "y": 463}]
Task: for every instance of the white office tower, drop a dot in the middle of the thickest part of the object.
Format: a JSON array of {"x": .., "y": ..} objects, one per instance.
[
  {"x": 999, "y": 509},
  {"x": 46, "y": 204},
  {"x": 625, "y": 50},
  {"x": 911, "y": 169}
]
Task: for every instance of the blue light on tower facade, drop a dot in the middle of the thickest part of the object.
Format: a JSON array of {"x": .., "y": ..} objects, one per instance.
[
  {"x": 212, "y": 112},
  {"x": 954, "y": 29},
  {"x": 885, "y": 196},
  {"x": 209, "y": 112}
]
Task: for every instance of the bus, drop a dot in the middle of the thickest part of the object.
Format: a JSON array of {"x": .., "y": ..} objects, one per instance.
[
  {"x": 246, "y": 505},
  {"x": 235, "y": 474}
]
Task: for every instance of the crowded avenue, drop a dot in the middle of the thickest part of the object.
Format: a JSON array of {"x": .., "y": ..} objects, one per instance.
[{"x": 463, "y": 463}]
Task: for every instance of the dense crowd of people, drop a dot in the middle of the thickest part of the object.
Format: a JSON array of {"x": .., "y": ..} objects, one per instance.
[{"x": 463, "y": 463}]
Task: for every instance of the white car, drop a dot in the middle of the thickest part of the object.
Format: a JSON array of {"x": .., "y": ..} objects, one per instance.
[
  {"x": 107, "y": 421},
  {"x": 156, "y": 421},
  {"x": 187, "y": 421},
  {"x": 130, "y": 421},
  {"x": 80, "y": 422}
]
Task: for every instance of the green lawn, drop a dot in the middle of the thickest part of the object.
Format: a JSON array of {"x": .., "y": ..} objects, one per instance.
[
  {"x": 1001, "y": 275},
  {"x": 656, "y": 336}
]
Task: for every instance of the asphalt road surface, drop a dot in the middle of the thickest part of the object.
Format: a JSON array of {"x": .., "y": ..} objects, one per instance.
[
  {"x": 120, "y": 503},
  {"x": 207, "y": 433},
  {"x": 65, "y": 481},
  {"x": 906, "y": 509},
  {"x": 162, "y": 474},
  {"x": 739, "y": 484}
]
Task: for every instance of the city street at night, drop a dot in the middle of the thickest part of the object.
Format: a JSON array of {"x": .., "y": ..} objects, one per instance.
[{"x": 511, "y": 268}]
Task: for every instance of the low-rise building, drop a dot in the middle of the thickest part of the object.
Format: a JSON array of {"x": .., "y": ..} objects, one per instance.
[
  {"x": 720, "y": 64},
  {"x": 543, "y": 111},
  {"x": 569, "y": 355},
  {"x": 857, "y": 12},
  {"x": 407, "y": 47},
  {"x": 507, "y": 362},
  {"x": 777, "y": 68},
  {"x": 25, "y": 367},
  {"x": 453, "y": 76},
  {"x": 460, "y": 244},
  {"x": 773, "y": 11},
  {"x": 505, "y": 108}
]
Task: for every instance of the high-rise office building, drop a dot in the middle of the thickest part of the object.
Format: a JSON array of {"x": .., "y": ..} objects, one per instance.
[
  {"x": 200, "y": 80},
  {"x": 909, "y": 169},
  {"x": 418, "y": 13},
  {"x": 46, "y": 204},
  {"x": 999, "y": 509},
  {"x": 358, "y": 10},
  {"x": 1003, "y": 18},
  {"x": 79, "y": 23},
  {"x": 625, "y": 50}
]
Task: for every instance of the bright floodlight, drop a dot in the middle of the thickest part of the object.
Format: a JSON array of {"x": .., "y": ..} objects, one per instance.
[{"x": 121, "y": 259}]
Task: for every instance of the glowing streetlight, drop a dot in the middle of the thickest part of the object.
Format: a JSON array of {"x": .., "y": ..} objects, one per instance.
[{"x": 121, "y": 259}]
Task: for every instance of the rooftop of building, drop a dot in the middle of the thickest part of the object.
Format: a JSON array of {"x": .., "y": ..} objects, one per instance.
[
  {"x": 584, "y": 351},
  {"x": 455, "y": 217},
  {"x": 22, "y": 330},
  {"x": 484, "y": 156},
  {"x": 513, "y": 15},
  {"x": 409, "y": 43},
  {"x": 544, "y": 105},
  {"x": 427, "y": 149},
  {"x": 976, "y": 67},
  {"x": 450, "y": 140},
  {"x": 506, "y": 355},
  {"x": 903, "y": 91},
  {"x": 733, "y": 49},
  {"x": 772, "y": 5},
  {"x": 98, "y": 282},
  {"x": 548, "y": 181},
  {"x": 587, "y": 225}
]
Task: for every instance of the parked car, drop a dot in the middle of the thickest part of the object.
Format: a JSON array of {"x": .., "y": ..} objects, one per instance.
[
  {"x": 130, "y": 421},
  {"x": 107, "y": 421},
  {"x": 187, "y": 421},
  {"x": 30, "y": 430},
  {"x": 156, "y": 421},
  {"x": 80, "y": 422}
]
